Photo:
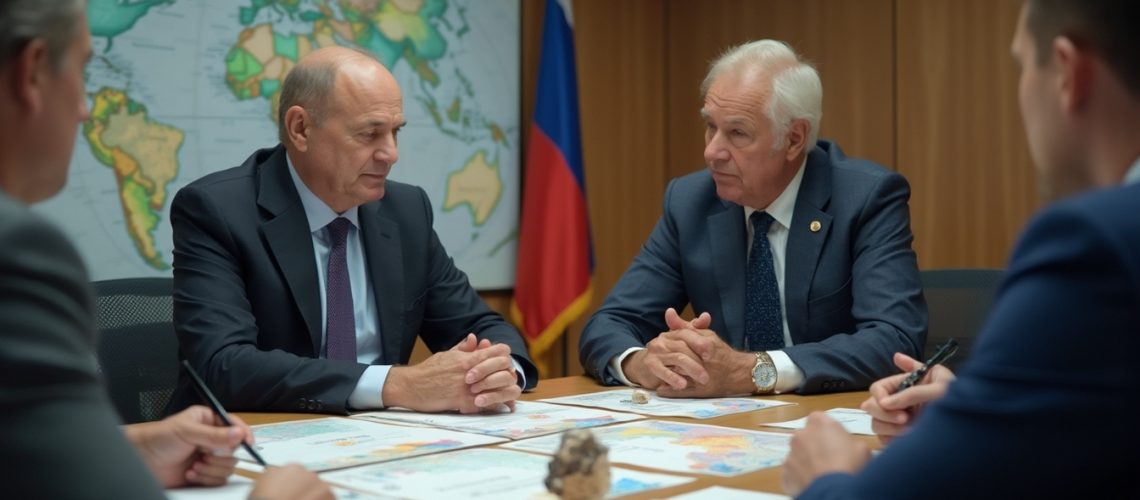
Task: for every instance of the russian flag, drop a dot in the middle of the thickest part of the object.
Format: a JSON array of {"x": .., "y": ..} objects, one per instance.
[{"x": 556, "y": 258}]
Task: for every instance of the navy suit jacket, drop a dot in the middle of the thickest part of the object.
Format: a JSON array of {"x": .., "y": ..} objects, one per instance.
[
  {"x": 851, "y": 290},
  {"x": 1046, "y": 406},
  {"x": 247, "y": 305}
]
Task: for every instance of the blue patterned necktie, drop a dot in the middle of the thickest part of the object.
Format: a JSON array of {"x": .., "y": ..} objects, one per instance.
[
  {"x": 763, "y": 321},
  {"x": 340, "y": 322}
]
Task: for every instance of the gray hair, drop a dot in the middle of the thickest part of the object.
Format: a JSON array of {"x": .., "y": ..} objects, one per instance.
[
  {"x": 308, "y": 86},
  {"x": 22, "y": 21},
  {"x": 796, "y": 91}
]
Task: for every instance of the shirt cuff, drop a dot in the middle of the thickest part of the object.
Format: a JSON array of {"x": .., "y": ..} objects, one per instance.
[
  {"x": 519, "y": 371},
  {"x": 369, "y": 389},
  {"x": 789, "y": 377},
  {"x": 615, "y": 366}
]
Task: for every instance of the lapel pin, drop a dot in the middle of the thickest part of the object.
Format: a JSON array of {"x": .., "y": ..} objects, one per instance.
[{"x": 815, "y": 226}]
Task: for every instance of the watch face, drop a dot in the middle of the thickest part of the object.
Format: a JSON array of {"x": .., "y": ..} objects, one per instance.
[{"x": 764, "y": 376}]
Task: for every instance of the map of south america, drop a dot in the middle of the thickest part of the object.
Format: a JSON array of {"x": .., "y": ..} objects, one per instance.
[{"x": 144, "y": 155}]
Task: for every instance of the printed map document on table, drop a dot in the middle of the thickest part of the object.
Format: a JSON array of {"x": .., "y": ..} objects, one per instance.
[
  {"x": 332, "y": 443},
  {"x": 720, "y": 493},
  {"x": 621, "y": 400},
  {"x": 239, "y": 487},
  {"x": 855, "y": 421},
  {"x": 681, "y": 447},
  {"x": 479, "y": 473},
  {"x": 529, "y": 419}
]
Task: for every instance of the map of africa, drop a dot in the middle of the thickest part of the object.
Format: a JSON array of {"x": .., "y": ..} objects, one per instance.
[{"x": 182, "y": 88}]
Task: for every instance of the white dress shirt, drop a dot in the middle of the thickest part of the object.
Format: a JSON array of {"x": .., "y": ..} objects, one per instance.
[
  {"x": 1133, "y": 174},
  {"x": 789, "y": 376}
]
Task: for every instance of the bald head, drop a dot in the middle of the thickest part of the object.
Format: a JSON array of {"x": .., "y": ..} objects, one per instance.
[
  {"x": 341, "y": 111},
  {"x": 312, "y": 83}
]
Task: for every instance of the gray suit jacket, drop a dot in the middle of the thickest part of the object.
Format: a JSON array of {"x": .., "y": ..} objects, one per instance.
[
  {"x": 852, "y": 291},
  {"x": 247, "y": 306},
  {"x": 57, "y": 426}
]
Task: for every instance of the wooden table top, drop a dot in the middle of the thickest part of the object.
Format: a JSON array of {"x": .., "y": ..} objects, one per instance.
[{"x": 764, "y": 480}]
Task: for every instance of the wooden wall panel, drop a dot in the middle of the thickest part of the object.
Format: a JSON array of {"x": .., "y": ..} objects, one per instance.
[
  {"x": 621, "y": 77},
  {"x": 923, "y": 86},
  {"x": 849, "y": 42},
  {"x": 960, "y": 138}
]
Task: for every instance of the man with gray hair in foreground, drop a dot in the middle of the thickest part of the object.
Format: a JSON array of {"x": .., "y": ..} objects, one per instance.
[{"x": 796, "y": 258}]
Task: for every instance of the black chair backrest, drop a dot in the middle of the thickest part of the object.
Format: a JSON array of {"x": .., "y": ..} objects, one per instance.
[
  {"x": 959, "y": 300},
  {"x": 138, "y": 352}
]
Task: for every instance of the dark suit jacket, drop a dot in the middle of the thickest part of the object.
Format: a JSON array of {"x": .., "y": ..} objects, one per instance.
[
  {"x": 1046, "y": 405},
  {"x": 58, "y": 428},
  {"x": 852, "y": 291},
  {"x": 247, "y": 306}
]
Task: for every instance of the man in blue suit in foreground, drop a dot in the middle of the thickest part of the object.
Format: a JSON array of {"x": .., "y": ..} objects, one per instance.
[
  {"x": 1058, "y": 351},
  {"x": 817, "y": 302}
]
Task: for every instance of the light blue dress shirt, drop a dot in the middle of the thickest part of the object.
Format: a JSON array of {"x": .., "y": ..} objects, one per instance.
[{"x": 367, "y": 394}]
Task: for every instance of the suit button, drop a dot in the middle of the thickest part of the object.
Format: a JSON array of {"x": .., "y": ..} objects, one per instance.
[
  {"x": 826, "y": 385},
  {"x": 301, "y": 404}
]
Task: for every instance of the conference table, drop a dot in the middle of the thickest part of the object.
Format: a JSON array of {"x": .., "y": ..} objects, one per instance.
[{"x": 767, "y": 480}]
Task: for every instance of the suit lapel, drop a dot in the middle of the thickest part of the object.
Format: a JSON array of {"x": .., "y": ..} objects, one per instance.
[
  {"x": 385, "y": 272},
  {"x": 729, "y": 253},
  {"x": 805, "y": 245},
  {"x": 286, "y": 231}
]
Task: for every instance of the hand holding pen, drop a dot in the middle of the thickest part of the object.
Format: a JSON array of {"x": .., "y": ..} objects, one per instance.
[
  {"x": 943, "y": 353},
  {"x": 205, "y": 394},
  {"x": 893, "y": 411}
]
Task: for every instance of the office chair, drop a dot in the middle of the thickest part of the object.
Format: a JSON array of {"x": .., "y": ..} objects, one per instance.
[
  {"x": 959, "y": 300},
  {"x": 137, "y": 349}
]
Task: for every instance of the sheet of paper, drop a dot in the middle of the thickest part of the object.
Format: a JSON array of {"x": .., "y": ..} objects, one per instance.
[
  {"x": 480, "y": 473},
  {"x": 855, "y": 421},
  {"x": 529, "y": 419},
  {"x": 332, "y": 443},
  {"x": 721, "y": 493},
  {"x": 620, "y": 400},
  {"x": 236, "y": 488},
  {"x": 681, "y": 447}
]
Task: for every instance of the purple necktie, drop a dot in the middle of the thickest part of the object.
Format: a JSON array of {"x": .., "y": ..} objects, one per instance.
[{"x": 340, "y": 325}]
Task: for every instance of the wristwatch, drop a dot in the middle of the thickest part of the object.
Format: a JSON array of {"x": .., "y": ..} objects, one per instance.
[{"x": 764, "y": 374}]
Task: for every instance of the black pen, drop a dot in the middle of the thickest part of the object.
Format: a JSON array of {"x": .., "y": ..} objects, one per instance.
[
  {"x": 943, "y": 353},
  {"x": 225, "y": 417}
]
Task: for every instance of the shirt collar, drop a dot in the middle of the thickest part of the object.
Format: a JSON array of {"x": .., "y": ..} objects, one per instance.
[
  {"x": 1133, "y": 175},
  {"x": 782, "y": 208},
  {"x": 317, "y": 211}
]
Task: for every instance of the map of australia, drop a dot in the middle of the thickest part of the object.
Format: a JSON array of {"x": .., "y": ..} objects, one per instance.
[{"x": 182, "y": 88}]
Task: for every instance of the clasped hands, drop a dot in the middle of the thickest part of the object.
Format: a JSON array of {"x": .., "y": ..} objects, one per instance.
[
  {"x": 823, "y": 446},
  {"x": 472, "y": 377},
  {"x": 690, "y": 360}
]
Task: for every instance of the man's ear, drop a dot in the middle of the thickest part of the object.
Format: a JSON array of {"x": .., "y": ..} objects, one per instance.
[
  {"x": 1075, "y": 71},
  {"x": 797, "y": 138},
  {"x": 297, "y": 124},
  {"x": 30, "y": 68}
]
